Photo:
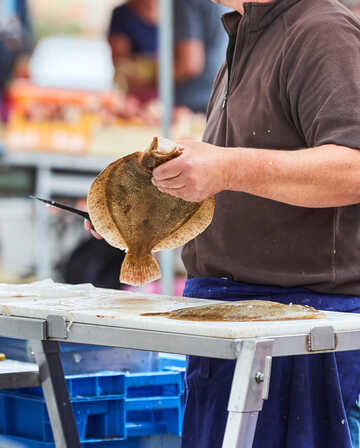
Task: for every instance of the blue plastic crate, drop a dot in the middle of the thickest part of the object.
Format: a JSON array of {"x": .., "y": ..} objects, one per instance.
[
  {"x": 110, "y": 408},
  {"x": 152, "y": 384},
  {"x": 153, "y": 415},
  {"x": 173, "y": 363},
  {"x": 155, "y": 441},
  {"x": 109, "y": 405},
  {"x": 99, "y": 419},
  {"x": 26, "y": 416},
  {"x": 168, "y": 361},
  {"x": 102, "y": 385},
  {"x": 118, "y": 385}
]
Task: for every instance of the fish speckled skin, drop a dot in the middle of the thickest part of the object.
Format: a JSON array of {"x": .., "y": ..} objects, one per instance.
[
  {"x": 131, "y": 213},
  {"x": 242, "y": 311}
]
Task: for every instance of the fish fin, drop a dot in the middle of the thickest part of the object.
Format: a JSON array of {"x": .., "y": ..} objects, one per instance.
[
  {"x": 198, "y": 222},
  {"x": 99, "y": 212},
  {"x": 155, "y": 314},
  {"x": 138, "y": 270}
]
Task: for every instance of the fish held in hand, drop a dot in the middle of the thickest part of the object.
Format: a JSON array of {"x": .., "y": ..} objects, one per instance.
[{"x": 130, "y": 213}]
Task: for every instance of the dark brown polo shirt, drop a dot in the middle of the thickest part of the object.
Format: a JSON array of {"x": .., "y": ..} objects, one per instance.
[{"x": 291, "y": 81}]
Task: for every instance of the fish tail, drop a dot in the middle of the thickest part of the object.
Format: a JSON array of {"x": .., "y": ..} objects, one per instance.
[{"x": 137, "y": 270}]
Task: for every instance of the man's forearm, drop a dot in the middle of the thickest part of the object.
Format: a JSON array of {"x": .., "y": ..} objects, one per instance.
[{"x": 326, "y": 176}]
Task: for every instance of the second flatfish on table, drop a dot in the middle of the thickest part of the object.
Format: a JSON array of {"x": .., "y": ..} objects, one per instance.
[
  {"x": 130, "y": 213},
  {"x": 243, "y": 311}
]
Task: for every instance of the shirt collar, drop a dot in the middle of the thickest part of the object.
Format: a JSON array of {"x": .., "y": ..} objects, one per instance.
[{"x": 261, "y": 15}]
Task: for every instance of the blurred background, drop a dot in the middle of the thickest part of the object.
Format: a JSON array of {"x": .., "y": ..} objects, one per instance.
[{"x": 79, "y": 88}]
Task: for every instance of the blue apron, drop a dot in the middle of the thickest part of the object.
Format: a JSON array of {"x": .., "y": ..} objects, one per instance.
[{"x": 310, "y": 395}]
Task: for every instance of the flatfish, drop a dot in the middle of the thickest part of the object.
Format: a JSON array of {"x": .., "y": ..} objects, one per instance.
[
  {"x": 130, "y": 213},
  {"x": 242, "y": 311}
]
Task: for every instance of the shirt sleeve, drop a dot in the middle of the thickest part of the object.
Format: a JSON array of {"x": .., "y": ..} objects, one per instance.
[
  {"x": 322, "y": 80},
  {"x": 187, "y": 20}
]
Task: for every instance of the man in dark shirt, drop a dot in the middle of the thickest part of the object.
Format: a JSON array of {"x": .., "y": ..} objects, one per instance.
[{"x": 281, "y": 155}]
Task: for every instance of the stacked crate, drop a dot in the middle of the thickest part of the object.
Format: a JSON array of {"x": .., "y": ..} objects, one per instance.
[{"x": 111, "y": 409}]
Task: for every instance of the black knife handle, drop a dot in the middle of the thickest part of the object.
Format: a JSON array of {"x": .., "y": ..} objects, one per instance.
[{"x": 65, "y": 207}]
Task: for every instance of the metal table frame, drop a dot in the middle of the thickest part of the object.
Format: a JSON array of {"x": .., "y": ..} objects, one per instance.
[{"x": 251, "y": 378}]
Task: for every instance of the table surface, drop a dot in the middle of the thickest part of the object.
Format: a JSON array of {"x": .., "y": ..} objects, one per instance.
[{"x": 89, "y": 305}]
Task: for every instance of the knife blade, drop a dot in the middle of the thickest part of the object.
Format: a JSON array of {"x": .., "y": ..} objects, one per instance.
[{"x": 64, "y": 207}]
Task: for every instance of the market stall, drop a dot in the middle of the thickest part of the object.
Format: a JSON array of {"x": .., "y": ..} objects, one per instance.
[
  {"x": 79, "y": 131},
  {"x": 47, "y": 313}
]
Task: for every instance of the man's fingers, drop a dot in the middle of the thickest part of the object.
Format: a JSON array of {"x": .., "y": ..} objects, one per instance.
[
  {"x": 87, "y": 226},
  {"x": 173, "y": 183},
  {"x": 166, "y": 173},
  {"x": 96, "y": 235},
  {"x": 170, "y": 188},
  {"x": 169, "y": 170}
]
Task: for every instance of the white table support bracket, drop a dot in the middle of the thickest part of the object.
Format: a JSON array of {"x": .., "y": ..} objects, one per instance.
[
  {"x": 56, "y": 327},
  {"x": 321, "y": 339},
  {"x": 249, "y": 388}
]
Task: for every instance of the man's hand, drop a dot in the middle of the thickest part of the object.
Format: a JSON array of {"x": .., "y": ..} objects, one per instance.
[
  {"x": 196, "y": 175},
  {"x": 324, "y": 176},
  {"x": 87, "y": 226}
]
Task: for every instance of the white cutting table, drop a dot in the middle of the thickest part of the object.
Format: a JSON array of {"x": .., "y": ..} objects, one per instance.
[{"x": 46, "y": 313}]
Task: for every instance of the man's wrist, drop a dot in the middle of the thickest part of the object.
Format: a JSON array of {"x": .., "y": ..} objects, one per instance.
[{"x": 233, "y": 168}]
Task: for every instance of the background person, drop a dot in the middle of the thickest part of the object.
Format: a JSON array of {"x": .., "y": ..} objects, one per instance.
[
  {"x": 132, "y": 37},
  {"x": 16, "y": 44},
  {"x": 200, "y": 45}
]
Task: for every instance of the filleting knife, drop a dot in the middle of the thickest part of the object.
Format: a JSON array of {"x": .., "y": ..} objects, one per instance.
[{"x": 64, "y": 207}]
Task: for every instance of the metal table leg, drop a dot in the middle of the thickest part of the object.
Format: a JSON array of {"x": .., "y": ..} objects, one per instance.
[
  {"x": 249, "y": 388},
  {"x": 51, "y": 374}
]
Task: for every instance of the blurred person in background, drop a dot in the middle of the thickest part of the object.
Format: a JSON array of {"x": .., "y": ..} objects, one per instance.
[
  {"x": 200, "y": 46},
  {"x": 132, "y": 36},
  {"x": 16, "y": 44}
]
